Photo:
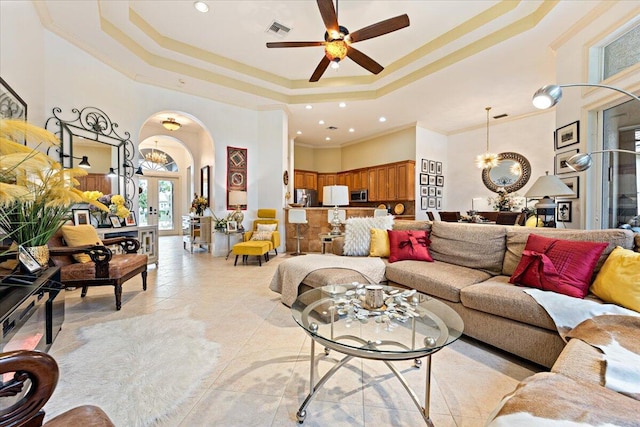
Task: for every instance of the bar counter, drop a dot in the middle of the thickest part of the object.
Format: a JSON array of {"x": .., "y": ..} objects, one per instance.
[{"x": 318, "y": 224}]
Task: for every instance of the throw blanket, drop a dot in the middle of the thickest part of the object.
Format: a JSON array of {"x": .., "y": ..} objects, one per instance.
[
  {"x": 617, "y": 338},
  {"x": 292, "y": 272},
  {"x": 612, "y": 329}
]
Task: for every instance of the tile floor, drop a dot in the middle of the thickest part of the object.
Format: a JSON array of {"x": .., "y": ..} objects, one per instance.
[{"x": 261, "y": 376}]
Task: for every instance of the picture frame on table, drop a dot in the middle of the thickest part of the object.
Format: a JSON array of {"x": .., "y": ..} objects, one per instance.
[
  {"x": 130, "y": 220},
  {"x": 432, "y": 202},
  {"x": 27, "y": 261},
  {"x": 424, "y": 167},
  {"x": 567, "y": 135},
  {"x": 115, "y": 221},
  {"x": 561, "y": 165},
  {"x": 424, "y": 179},
  {"x": 424, "y": 203},
  {"x": 424, "y": 191},
  {"x": 573, "y": 182},
  {"x": 232, "y": 226},
  {"x": 440, "y": 181},
  {"x": 564, "y": 211},
  {"x": 432, "y": 191},
  {"x": 432, "y": 167},
  {"x": 432, "y": 180},
  {"x": 12, "y": 106},
  {"x": 81, "y": 217},
  {"x": 438, "y": 168}
]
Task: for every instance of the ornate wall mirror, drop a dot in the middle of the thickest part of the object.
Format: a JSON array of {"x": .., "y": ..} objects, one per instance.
[
  {"x": 90, "y": 136},
  {"x": 512, "y": 173}
]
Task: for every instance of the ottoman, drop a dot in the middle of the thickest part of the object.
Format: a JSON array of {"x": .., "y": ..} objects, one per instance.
[{"x": 258, "y": 248}]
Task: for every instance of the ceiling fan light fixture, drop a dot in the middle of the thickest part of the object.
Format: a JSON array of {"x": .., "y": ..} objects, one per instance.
[
  {"x": 335, "y": 64},
  {"x": 170, "y": 124},
  {"x": 336, "y": 49}
]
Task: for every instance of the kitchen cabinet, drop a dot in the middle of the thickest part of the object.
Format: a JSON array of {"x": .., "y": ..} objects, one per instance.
[
  {"x": 305, "y": 179},
  {"x": 406, "y": 177}
]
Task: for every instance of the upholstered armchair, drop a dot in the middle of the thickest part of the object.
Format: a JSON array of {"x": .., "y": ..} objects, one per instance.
[
  {"x": 85, "y": 260},
  {"x": 263, "y": 228},
  {"x": 32, "y": 376}
]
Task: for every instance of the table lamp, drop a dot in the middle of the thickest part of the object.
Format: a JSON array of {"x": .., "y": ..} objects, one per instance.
[
  {"x": 546, "y": 187},
  {"x": 336, "y": 195},
  {"x": 239, "y": 199}
]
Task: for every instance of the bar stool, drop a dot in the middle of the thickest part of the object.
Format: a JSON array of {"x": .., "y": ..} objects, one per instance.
[{"x": 297, "y": 217}]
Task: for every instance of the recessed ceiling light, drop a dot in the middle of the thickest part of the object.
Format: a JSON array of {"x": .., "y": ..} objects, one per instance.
[
  {"x": 382, "y": 119},
  {"x": 321, "y": 122},
  {"x": 327, "y": 139},
  {"x": 308, "y": 107},
  {"x": 201, "y": 6},
  {"x": 299, "y": 132},
  {"x": 342, "y": 105},
  {"x": 352, "y": 130}
]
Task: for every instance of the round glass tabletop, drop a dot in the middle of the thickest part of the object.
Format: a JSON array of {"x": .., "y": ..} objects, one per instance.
[{"x": 408, "y": 325}]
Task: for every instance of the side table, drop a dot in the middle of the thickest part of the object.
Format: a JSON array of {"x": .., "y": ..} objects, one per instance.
[
  {"x": 229, "y": 234},
  {"x": 327, "y": 239}
]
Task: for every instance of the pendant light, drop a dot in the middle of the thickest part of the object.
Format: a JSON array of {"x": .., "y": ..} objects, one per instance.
[{"x": 487, "y": 160}]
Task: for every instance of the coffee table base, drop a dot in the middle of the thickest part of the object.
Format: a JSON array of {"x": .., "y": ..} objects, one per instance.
[{"x": 424, "y": 410}]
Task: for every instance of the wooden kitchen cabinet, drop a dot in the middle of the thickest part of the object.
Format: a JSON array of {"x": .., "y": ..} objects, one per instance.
[
  {"x": 305, "y": 179},
  {"x": 406, "y": 180}
]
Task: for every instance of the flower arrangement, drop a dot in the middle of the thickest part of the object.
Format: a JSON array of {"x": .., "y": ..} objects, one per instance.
[
  {"x": 504, "y": 201},
  {"x": 221, "y": 223},
  {"x": 114, "y": 202},
  {"x": 36, "y": 192},
  {"x": 199, "y": 204}
]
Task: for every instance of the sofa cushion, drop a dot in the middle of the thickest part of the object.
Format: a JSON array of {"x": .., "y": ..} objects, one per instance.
[
  {"x": 548, "y": 396},
  {"x": 558, "y": 265},
  {"x": 409, "y": 245},
  {"x": 405, "y": 224},
  {"x": 619, "y": 279},
  {"x": 80, "y": 235},
  {"x": 498, "y": 297},
  {"x": 581, "y": 361},
  {"x": 357, "y": 238},
  {"x": 438, "y": 279},
  {"x": 118, "y": 267},
  {"x": 379, "y": 243},
  {"x": 517, "y": 240},
  {"x": 469, "y": 245}
]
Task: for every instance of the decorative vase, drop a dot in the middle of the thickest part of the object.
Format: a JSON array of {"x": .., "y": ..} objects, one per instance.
[{"x": 40, "y": 254}]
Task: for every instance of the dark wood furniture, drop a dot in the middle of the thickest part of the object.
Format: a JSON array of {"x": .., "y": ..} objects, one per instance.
[
  {"x": 431, "y": 216},
  {"x": 105, "y": 269},
  {"x": 449, "y": 216},
  {"x": 29, "y": 379},
  {"x": 509, "y": 218}
]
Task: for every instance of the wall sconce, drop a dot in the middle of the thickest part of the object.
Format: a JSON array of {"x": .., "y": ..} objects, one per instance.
[
  {"x": 113, "y": 172},
  {"x": 84, "y": 161}
]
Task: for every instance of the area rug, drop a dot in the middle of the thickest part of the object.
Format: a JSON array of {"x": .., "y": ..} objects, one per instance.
[{"x": 138, "y": 370}]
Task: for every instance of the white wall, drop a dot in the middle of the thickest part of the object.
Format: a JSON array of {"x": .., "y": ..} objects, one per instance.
[
  {"x": 431, "y": 145},
  {"x": 531, "y": 137}
]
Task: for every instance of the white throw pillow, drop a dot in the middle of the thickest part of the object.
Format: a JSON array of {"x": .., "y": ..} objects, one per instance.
[
  {"x": 357, "y": 238},
  {"x": 267, "y": 227}
]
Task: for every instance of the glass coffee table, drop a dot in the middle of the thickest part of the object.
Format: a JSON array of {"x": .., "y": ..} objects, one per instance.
[{"x": 409, "y": 325}]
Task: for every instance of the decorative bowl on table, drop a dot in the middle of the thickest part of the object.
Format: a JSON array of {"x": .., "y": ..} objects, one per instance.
[{"x": 295, "y": 205}]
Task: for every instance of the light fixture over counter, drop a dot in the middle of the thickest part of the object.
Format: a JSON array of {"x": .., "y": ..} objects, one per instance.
[{"x": 170, "y": 124}]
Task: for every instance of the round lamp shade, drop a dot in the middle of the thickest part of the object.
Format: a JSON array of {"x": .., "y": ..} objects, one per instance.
[
  {"x": 547, "y": 96},
  {"x": 580, "y": 162}
]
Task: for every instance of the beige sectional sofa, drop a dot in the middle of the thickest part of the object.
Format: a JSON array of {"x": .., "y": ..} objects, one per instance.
[{"x": 473, "y": 263}]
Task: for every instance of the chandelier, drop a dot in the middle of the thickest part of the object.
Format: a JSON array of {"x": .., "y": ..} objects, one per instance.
[
  {"x": 487, "y": 160},
  {"x": 156, "y": 156}
]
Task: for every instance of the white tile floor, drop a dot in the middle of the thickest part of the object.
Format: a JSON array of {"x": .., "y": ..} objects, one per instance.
[{"x": 261, "y": 376}]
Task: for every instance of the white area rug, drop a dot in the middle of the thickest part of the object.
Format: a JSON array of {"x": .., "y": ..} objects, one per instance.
[{"x": 138, "y": 370}]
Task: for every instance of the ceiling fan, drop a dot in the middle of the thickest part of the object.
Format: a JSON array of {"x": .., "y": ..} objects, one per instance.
[{"x": 338, "y": 40}]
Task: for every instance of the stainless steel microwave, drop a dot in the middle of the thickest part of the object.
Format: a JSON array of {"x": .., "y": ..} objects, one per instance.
[{"x": 359, "y": 196}]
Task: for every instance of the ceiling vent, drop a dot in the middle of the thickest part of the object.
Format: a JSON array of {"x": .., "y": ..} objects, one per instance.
[
  {"x": 278, "y": 29},
  {"x": 332, "y": 128},
  {"x": 500, "y": 116}
]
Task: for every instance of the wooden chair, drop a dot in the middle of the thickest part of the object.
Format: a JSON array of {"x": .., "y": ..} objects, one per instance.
[
  {"x": 489, "y": 215},
  {"x": 431, "y": 216},
  {"x": 507, "y": 218},
  {"x": 266, "y": 216},
  {"x": 31, "y": 377},
  {"x": 449, "y": 216},
  {"x": 105, "y": 267}
]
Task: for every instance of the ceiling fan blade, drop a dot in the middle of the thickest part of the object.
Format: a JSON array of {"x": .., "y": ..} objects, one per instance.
[
  {"x": 328, "y": 13},
  {"x": 320, "y": 69},
  {"x": 294, "y": 44},
  {"x": 380, "y": 28},
  {"x": 363, "y": 60}
]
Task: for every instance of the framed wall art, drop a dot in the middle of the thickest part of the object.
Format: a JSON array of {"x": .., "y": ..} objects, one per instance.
[
  {"x": 432, "y": 167},
  {"x": 432, "y": 191},
  {"x": 438, "y": 168},
  {"x": 573, "y": 182},
  {"x": 563, "y": 214},
  {"x": 424, "y": 191},
  {"x": 432, "y": 180},
  {"x": 424, "y": 167},
  {"x": 440, "y": 181},
  {"x": 432, "y": 202},
  {"x": 439, "y": 191},
  {"x": 567, "y": 135},
  {"x": 204, "y": 181},
  {"x": 424, "y": 179},
  {"x": 236, "y": 171},
  {"x": 423, "y": 203},
  {"x": 561, "y": 162}
]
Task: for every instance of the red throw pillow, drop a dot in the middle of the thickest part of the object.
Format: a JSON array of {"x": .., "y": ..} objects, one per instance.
[
  {"x": 409, "y": 244},
  {"x": 562, "y": 266}
]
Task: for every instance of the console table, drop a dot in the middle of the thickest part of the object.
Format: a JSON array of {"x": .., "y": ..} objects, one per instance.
[
  {"x": 147, "y": 235},
  {"x": 31, "y": 310}
]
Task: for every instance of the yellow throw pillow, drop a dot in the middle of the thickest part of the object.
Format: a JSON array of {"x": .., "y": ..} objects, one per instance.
[
  {"x": 531, "y": 222},
  {"x": 80, "y": 235},
  {"x": 618, "y": 281},
  {"x": 379, "y": 243}
]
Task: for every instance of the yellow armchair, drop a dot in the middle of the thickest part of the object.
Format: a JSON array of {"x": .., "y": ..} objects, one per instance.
[{"x": 265, "y": 217}]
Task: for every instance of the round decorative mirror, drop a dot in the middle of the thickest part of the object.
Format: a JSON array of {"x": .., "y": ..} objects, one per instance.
[{"x": 512, "y": 173}]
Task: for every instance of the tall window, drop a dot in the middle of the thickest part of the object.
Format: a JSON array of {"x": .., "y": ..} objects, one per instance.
[
  {"x": 621, "y": 171},
  {"x": 621, "y": 53}
]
